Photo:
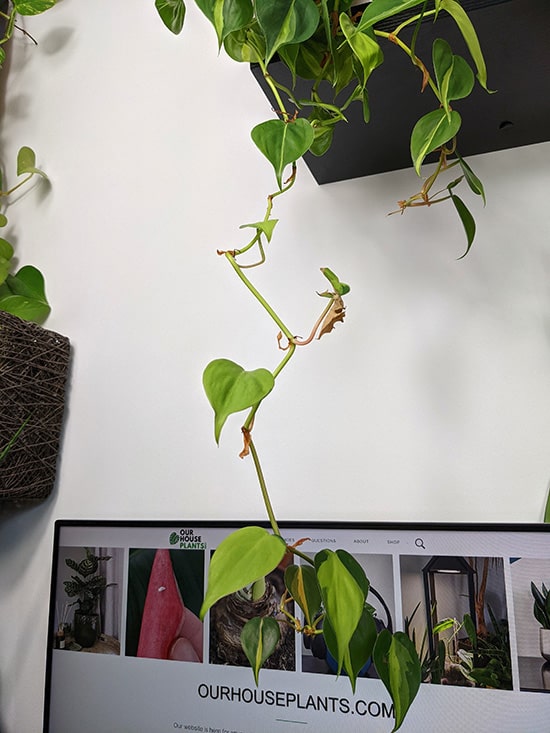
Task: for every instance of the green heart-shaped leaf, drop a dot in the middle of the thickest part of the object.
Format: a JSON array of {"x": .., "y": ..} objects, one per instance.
[
  {"x": 283, "y": 142},
  {"x": 286, "y": 21},
  {"x": 469, "y": 34},
  {"x": 230, "y": 389},
  {"x": 245, "y": 45},
  {"x": 366, "y": 49},
  {"x": 431, "y": 132},
  {"x": 360, "y": 646},
  {"x": 266, "y": 227},
  {"x": 26, "y": 162},
  {"x": 32, "y": 7},
  {"x": 472, "y": 180},
  {"x": 398, "y": 665},
  {"x": 377, "y": 10},
  {"x": 23, "y": 295},
  {"x": 455, "y": 79},
  {"x": 242, "y": 558},
  {"x": 301, "y": 583},
  {"x": 343, "y": 589},
  {"x": 227, "y": 16},
  {"x": 259, "y": 639},
  {"x": 172, "y": 14}
]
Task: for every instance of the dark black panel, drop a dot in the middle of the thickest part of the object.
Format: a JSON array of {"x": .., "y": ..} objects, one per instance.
[{"x": 514, "y": 39}]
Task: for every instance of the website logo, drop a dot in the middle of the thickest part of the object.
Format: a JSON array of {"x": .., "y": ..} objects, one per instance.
[{"x": 186, "y": 539}]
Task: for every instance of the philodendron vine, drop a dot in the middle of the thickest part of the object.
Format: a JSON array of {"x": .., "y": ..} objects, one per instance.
[
  {"x": 323, "y": 41},
  {"x": 338, "y": 46},
  {"x": 22, "y": 293}
]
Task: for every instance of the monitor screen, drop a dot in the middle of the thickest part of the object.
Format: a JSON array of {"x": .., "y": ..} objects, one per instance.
[{"x": 127, "y": 651}]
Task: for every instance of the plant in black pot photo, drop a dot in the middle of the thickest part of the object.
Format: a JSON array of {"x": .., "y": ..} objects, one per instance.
[
  {"x": 88, "y": 585},
  {"x": 541, "y": 611}
]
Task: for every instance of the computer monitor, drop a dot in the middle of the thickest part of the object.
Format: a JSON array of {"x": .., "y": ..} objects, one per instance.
[{"x": 127, "y": 652}]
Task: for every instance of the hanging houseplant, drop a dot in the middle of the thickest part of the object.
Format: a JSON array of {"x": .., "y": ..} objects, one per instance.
[
  {"x": 336, "y": 47},
  {"x": 34, "y": 362}
]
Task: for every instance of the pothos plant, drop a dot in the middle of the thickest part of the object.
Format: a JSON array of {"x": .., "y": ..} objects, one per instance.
[
  {"x": 22, "y": 293},
  {"x": 324, "y": 41}
]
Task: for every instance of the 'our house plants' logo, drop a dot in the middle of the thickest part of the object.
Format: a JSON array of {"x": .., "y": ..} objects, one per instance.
[{"x": 186, "y": 539}]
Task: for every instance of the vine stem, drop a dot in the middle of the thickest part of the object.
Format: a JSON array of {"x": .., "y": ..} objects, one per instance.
[
  {"x": 18, "y": 185},
  {"x": 403, "y": 46},
  {"x": 267, "y": 502},
  {"x": 263, "y": 487},
  {"x": 247, "y": 425},
  {"x": 273, "y": 87},
  {"x": 259, "y": 297}
]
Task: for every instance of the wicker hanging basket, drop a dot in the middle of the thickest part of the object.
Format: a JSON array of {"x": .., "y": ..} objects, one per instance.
[{"x": 34, "y": 364}]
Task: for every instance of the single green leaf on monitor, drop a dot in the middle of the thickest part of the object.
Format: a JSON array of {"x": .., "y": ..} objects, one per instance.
[
  {"x": 32, "y": 7},
  {"x": 26, "y": 162},
  {"x": 286, "y": 21},
  {"x": 343, "y": 588},
  {"x": 399, "y": 668},
  {"x": 266, "y": 227},
  {"x": 365, "y": 48},
  {"x": 231, "y": 389},
  {"x": 470, "y": 629},
  {"x": 241, "y": 558},
  {"x": 301, "y": 583},
  {"x": 360, "y": 646},
  {"x": 283, "y": 143},
  {"x": 259, "y": 639},
  {"x": 431, "y": 132},
  {"x": 172, "y": 14},
  {"x": 446, "y": 623}
]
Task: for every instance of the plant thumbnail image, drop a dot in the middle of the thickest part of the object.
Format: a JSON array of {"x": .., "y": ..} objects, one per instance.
[
  {"x": 88, "y": 599},
  {"x": 455, "y": 613},
  {"x": 228, "y": 616},
  {"x": 531, "y": 593},
  {"x": 379, "y": 569},
  {"x": 165, "y": 592}
]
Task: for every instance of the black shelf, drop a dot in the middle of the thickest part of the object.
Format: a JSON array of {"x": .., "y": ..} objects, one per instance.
[{"x": 514, "y": 40}]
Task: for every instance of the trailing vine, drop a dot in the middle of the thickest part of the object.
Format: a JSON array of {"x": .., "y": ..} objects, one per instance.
[{"x": 324, "y": 41}]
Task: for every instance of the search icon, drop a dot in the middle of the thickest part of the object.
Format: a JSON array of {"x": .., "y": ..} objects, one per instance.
[{"x": 419, "y": 542}]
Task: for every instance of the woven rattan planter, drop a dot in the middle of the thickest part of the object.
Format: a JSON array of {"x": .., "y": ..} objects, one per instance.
[{"x": 34, "y": 364}]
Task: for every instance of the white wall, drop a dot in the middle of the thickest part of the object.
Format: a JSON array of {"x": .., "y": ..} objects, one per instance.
[{"x": 429, "y": 403}]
